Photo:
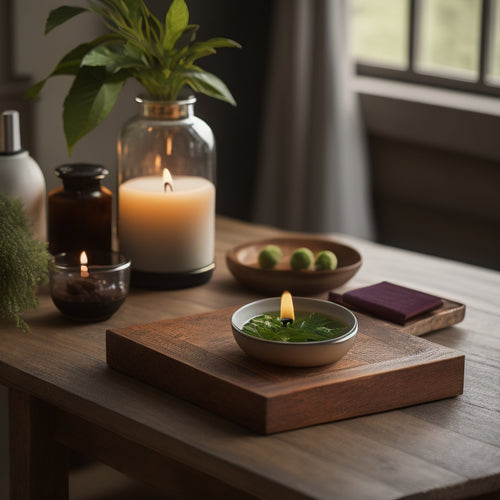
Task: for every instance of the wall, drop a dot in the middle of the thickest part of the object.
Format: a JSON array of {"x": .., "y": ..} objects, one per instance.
[
  {"x": 237, "y": 130},
  {"x": 436, "y": 201},
  {"x": 35, "y": 55},
  {"x": 435, "y": 162}
]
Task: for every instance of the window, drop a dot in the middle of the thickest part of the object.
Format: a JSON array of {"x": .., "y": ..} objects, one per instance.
[{"x": 447, "y": 43}]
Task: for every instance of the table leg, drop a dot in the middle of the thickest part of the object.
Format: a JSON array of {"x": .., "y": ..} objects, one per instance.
[{"x": 38, "y": 464}]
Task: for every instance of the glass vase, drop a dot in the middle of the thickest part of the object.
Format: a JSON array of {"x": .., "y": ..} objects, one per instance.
[{"x": 166, "y": 195}]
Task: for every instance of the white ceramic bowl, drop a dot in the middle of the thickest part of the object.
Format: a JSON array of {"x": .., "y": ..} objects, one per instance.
[{"x": 298, "y": 354}]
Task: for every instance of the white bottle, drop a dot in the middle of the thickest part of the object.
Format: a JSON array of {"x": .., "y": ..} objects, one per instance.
[{"x": 20, "y": 175}]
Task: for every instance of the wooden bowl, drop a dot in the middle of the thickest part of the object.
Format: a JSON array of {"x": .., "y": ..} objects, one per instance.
[{"x": 242, "y": 261}]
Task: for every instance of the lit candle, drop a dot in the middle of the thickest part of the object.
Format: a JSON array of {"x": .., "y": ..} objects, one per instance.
[
  {"x": 287, "y": 313},
  {"x": 89, "y": 292},
  {"x": 167, "y": 226},
  {"x": 84, "y": 271},
  {"x": 285, "y": 325},
  {"x": 167, "y": 180}
]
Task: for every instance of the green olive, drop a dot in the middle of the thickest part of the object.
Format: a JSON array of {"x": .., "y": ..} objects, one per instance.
[
  {"x": 302, "y": 258},
  {"x": 270, "y": 256},
  {"x": 326, "y": 260}
]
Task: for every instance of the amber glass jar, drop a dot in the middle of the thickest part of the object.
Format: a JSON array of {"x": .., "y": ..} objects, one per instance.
[{"x": 80, "y": 211}]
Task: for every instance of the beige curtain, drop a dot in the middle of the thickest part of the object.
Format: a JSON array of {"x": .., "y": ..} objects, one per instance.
[{"x": 313, "y": 174}]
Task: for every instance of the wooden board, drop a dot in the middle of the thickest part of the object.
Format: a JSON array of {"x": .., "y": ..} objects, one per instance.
[
  {"x": 448, "y": 314},
  {"x": 196, "y": 358}
]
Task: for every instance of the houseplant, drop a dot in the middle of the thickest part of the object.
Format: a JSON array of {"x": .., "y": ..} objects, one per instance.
[
  {"x": 160, "y": 55},
  {"x": 24, "y": 262}
]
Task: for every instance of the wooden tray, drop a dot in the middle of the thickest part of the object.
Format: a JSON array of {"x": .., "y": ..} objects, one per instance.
[
  {"x": 448, "y": 314},
  {"x": 197, "y": 359}
]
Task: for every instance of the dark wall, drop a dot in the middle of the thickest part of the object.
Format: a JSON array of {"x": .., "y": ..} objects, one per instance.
[
  {"x": 13, "y": 88},
  {"x": 436, "y": 201},
  {"x": 237, "y": 129}
]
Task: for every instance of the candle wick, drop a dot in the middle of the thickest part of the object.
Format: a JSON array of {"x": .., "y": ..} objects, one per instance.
[
  {"x": 167, "y": 184},
  {"x": 286, "y": 321}
]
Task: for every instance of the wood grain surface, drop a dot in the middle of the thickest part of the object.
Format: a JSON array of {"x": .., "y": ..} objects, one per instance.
[
  {"x": 448, "y": 448},
  {"x": 196, "y": 358}
]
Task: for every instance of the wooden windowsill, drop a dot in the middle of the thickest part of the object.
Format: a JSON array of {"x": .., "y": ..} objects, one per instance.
[{"x": 445, "y": 119}]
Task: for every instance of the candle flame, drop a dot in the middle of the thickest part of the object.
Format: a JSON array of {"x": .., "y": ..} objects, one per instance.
[
  {"x": 168, "y": 146},
  {"x": 84, "y": 270},
  {"x": 287, "y": 314},
  {"x": 167, "y": 180}
]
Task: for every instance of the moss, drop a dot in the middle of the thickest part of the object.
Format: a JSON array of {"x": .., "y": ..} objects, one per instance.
[
  {"x": 270, "y": 256},
  {"x": 302, "y": 258},
  {"x": 326, "y": 260}
]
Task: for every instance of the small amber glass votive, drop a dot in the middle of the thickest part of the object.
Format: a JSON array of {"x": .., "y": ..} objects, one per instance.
[{"x": 90, "y": 291}]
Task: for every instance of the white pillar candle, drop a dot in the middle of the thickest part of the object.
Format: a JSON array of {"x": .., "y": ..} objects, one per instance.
[{"x": 167, "y": 231}]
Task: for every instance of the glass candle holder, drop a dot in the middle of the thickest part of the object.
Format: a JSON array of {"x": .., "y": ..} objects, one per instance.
[
  {"x": 80, "y": 212},
  {"x": 89, "y": 288},
  {"x": 166, "y": 195}
]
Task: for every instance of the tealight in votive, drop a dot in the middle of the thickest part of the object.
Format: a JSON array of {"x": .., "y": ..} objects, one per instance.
[{"x": 89, "y": 288}]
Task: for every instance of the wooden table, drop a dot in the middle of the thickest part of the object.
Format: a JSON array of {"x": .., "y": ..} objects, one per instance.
[{"x": 63, "y": 395}]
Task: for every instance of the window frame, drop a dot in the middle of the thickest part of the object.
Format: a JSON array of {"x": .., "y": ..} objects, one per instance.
[{"x": 479, "y": 85}]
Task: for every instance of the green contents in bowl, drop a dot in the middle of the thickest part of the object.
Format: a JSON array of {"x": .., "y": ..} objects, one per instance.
[
  {"x": 270, "y": 256},
  {"x": 302, "y": 258},
  {"x": 307, "y": 327},
  {"x": 326, "y": 260}
]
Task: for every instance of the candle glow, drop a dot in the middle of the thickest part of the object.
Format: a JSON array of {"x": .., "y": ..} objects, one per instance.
[
  {"x": 287, "y": 313},
  {"x": 167, "y": 180},
  {"x": 84, "y": 270},
  {"x": 168, "y": 146}
]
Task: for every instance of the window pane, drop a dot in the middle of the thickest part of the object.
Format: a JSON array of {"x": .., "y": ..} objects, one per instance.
[
  {"x": 494, "y": 72},
  {"x": 449, "y": 37},
  {"x": 380, "y": 31}
]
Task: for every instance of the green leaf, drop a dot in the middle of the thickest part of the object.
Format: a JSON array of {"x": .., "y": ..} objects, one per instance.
[
  {"x": 61, "y": 15},
  {"x": 33, "y": 91},
  {"x": 134, "y": 9},
  {"x": 176, "y": 21},
  {"x": 90, "y": 99},
  {"x": 208, "y": 84},
  {"x": 196, "y": 51},
  {"x": 219, "y": 42},
  {"x": 203, "y": 49},
  {"x": 112, "y": 60},
  {"x": 187, "y": 37},
  {"x": 69, "y": 64}
]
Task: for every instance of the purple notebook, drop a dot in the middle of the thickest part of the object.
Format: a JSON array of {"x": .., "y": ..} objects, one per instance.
[{"x": 389, "y": 301}]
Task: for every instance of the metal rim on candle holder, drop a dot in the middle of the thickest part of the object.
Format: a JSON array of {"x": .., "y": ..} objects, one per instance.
[{"x": 166, "y": 110}]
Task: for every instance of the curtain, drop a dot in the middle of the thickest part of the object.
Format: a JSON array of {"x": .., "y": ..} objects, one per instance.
[{"x": 313, "y": 172}]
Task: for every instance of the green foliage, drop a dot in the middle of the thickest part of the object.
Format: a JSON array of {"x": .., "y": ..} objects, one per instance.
[
  {"x": 302, "y": 258},
  {"x": 326, "y": 260},
  {"x": 270, "y": 256},
  {"x": 160, "y": 56},
  {"x": 311, "y": 327},
  {"x": 23, "y": 262}
]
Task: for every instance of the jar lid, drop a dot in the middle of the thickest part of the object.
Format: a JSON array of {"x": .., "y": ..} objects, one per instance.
[
  {"x": 10, "y": 135},
  {"x": 81, "y": 171}
]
